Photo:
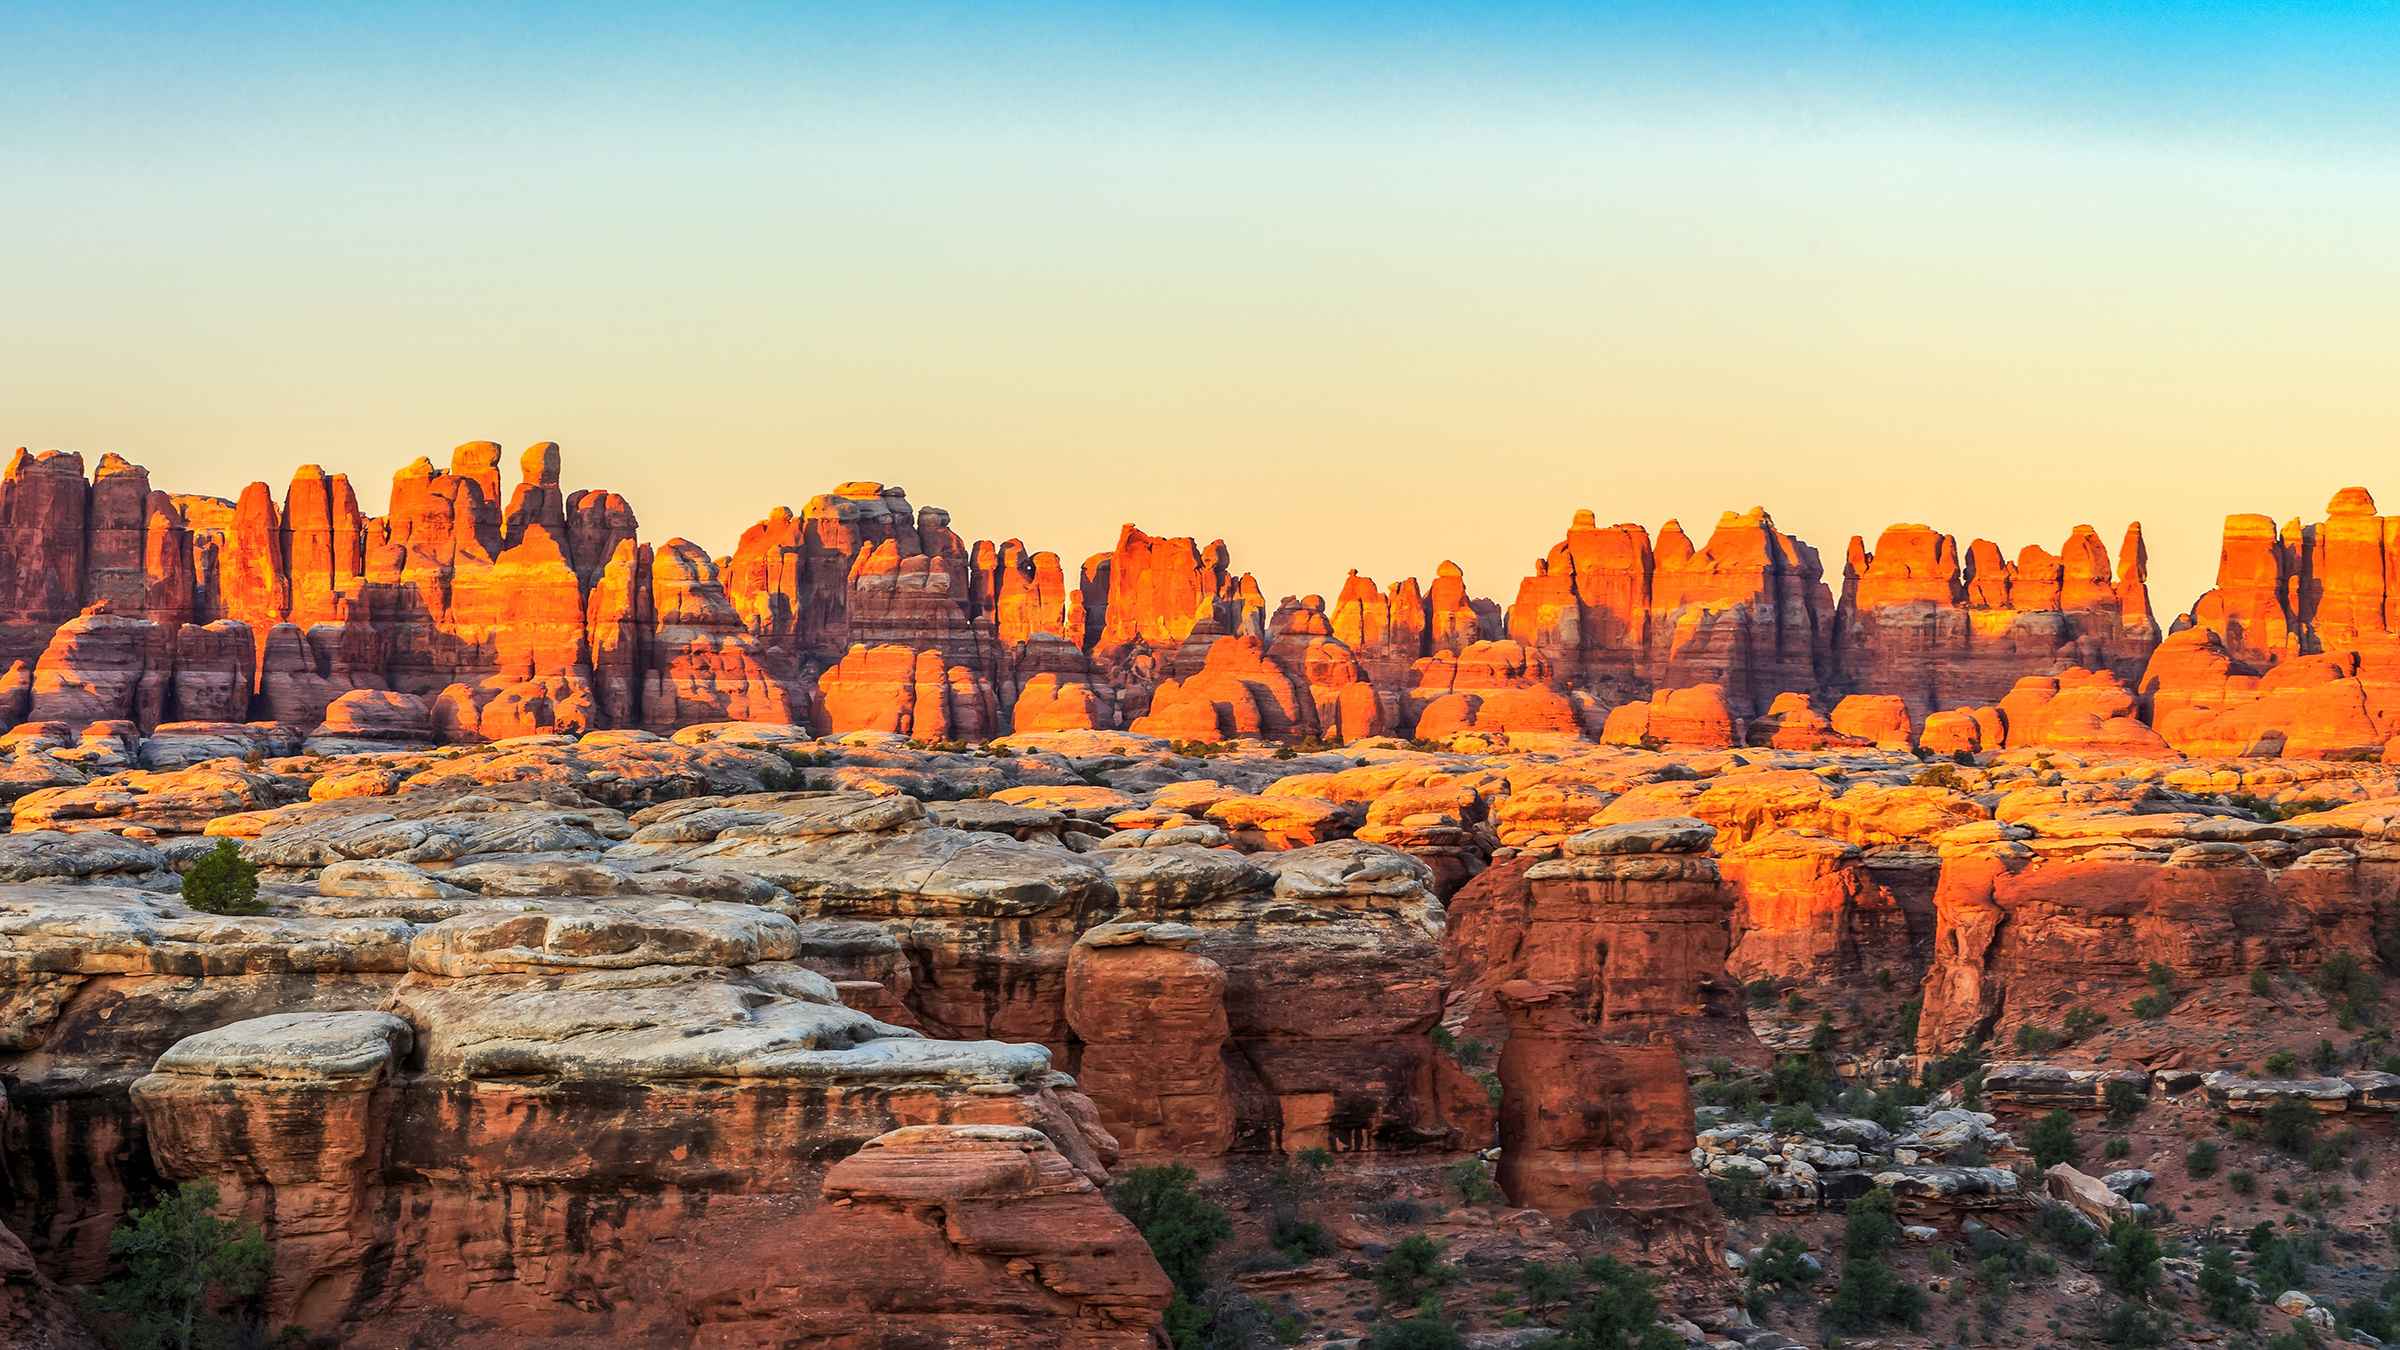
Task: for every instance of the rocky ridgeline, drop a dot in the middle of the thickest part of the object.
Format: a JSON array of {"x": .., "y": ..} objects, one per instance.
[{"x": 464, "y": 614}]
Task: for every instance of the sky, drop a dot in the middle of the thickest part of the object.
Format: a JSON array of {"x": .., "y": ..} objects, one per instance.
[{"x": 1347, "y": 285}]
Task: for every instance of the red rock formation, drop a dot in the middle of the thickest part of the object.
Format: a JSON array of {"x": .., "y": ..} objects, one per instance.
[
  {"x": 1047, "y": 703},
  {"x": 894, "y": 689},
  {"x": 1619, "y": 617},
  {"x": 1791, "y": 722},
  {"x": 252, "y": 585},
  {"x": 528, "y": 609},
  {"x": 35, "y": 1314},
  {"x": 1348, "y": 705},
  {"x": 1159, "y": 590},
  {"x": 1636, "y": 916},
  {"x": 1590, "y": 969},
  {"x": 2203, "y": 702},
  {"x": 324, "y": 541},
  {"x": 1601, "y": 972},
  {"x": 1963, "y": 731},
  {"x": 376, "y": 717},
  {"x": 1588, "y": 607},
  {"x": 1491, "y": 688},
  {"x": 618, "y": 617},
  {"x": 1455, "y": 620},
  {"x": 1917, "y": 623},
  {"x": 538, "y": 502},
  {"x": 1237, "y": 692},
  {"x": 102, "y": 666},
  {"x": 1694, "y": 718},
  {"x": 1028, "y": 594},
  {"x": 1593, "y": 1123},
  {"x": 1810, "y": 912},
  {"x": 697, "y": 664},
  {"x": 1877, "y": 719},
  {"x": 215, "y": 672},
  {"x": 970, "y": 1231},
  {"x": 2077, "y": 710},
  {"x": 1152, "y": 1022},
  {"x": 2022, "y": 937},
  {"x": 41, "y": 549}
]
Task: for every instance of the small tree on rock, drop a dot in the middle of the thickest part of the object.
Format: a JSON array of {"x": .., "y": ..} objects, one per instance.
[{"x": 223, "y": 882}]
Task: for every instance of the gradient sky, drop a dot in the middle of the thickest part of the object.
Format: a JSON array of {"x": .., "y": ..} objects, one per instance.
[{"x": 1348, "y": 285}]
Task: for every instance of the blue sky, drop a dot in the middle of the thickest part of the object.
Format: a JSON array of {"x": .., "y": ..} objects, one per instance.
[{"x": 1350, "y": 285}]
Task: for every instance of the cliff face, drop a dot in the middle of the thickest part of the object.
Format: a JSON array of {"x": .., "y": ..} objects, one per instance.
[{"x": 505, "y": 609}]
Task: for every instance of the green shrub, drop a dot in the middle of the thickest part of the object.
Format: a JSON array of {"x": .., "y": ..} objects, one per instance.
[
  {"x": 1412, "y": 1270},
  {"x": 2369, "y": 1316},
  {"x": 1182, "y": 1228},
  {"x": 2261, "y": 983},
  {"x": 222, "y": 881},
  {"x": 1872, "y": 1225},
  {"x": 2129, "y": 1261},
  {"x": 2033, "y": 1040},
  {"x": 1889, "y": 1106},
  {"x": 2273, "y": 811},
  {"x": 1780, "y": 1266},
  {"x": 176, "y": 1262},
  {"x": 1299, "y": 1240},
  {"x": 2117, "y": 1147},
  {"x": 1473, "y": 1181},
  {"x": 2151, "y": 1007},
  {"x": 1940, "y": 776},
  {"x": 1546, "y": 1283},
  {"x": 2123, "y": 1100},
  {"x": 2064, "y": 1228},
  {"x": 1737, "y": 1197},
  {"x": 1620, "y": 1312},
  {"x": 2222, "y": 1294},
  {"x": 2345, "y": 976},
  {"x": 1798, "y": 1082},
  {"x": 1416, "y": 1333},
  {"x": 2289, "y": 1124},
  {"x": 2130, "y": 1324},
  {"x": 2200, "y": 1160},
  {"x": 2282, "y": 1064},
  {"x": 2082, "y": 1022},
  {"x": 2052, "y": 1140},
  {"x": 2325, "y": 1058},
  {"x": 2277, "y": 1263},
  {"x": 1739, "y": 1096},
  {"x": 2243, "y": 1182},
  {"x": 1871, "y": 1294},
  {"x": 1904, "y": 1026}
]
